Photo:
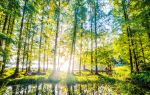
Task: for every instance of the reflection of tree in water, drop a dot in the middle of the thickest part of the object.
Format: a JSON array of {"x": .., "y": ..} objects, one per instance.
[
  {"x": 37, "y": 89},
  {"x": 73, "y": 92},
  {"x": 24, "y": 90},
  {"x": 69, "y": 89},
  {"x": 14, "y": 89},
  {"x": 53, "y": 89},
  {"x": 81, "y": 91},
  {"x": 60, "y": 89}
]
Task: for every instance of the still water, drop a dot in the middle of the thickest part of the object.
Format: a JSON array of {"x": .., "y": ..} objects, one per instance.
[{"x": 58, "y": 89}]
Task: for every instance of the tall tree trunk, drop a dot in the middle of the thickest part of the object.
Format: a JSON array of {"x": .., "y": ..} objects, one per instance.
[
  {"x": 73, "y": 40},
  {"x": 28, "y": 46},
  {"x": 44, "y": 56},
  {"x": 142, "y": 49},
  {"x": 95, "y": 22},
  {"x": 128, "y": 35},
  {"x": 25, "y": 47},
  {"x": 6, "y": 48},
  {"x": 1, "y": 41},
  {"x": 134, "y": 53},
  {"x": 20, "y": 40},
  {"x": 31, "y": 51},
  {"x": 40, "y": 45},
  {"x": 47, "y": 59},
  {"x": 24, "y": 52},
  {"x": 91, "y": 44},
  {"x": 58, "y": 65},
  {"x": 27, "y": 56},
  {"x": 86, "y": 56},
  {"x": 73, "y": 60},
  {"x": 130, "y": 52},
  {"x": 56, "y": 38},
  {"x": 5, "y": 23},
  {"x": 80, "y": 53}
]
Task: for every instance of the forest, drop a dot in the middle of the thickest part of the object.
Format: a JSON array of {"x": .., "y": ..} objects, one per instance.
[{"x": 74, "y": 47}]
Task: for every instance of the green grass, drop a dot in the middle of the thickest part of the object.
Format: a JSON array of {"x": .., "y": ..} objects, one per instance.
[{"x": 120, "y": 73}]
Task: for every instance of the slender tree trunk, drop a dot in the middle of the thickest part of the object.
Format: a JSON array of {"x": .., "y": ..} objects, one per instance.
[
  {"x": 27, "y": 51},
  {"x": 44, "y": 57},
  {"x": 24, "y": 53},
  {"x": 73, "y": 58},
  {"x": 142, "y": 49},
  {"x": 134, "y": 53},
  {"x": 96, "y": 67},
  {"x": 80, "y": 54},
  {"x": 73, "y": 40},
  {"x": 58, "y": 65},
  {"x": 47, "y": 58},
  {"x": 130, "y": 51},
  {"x": 47, "y": 62},
  {"x": 91, "y": 46},
  {"x": 27, "y": 57},
  {"x": 40, "y": 45},
  {"x": 84, "y": 66},
  {"x": 56, "y": 39},
  {"x": 81, "y": 35},
  {"x": 5, "y": 23},
  {"x": 6, "y": 49},
  {"x": 73, "y": 61},
  {"x": 31, "y": 51},
  {"x": 1, "y": 41},
  {"x": 1, "y": 20},
  {"x": 25, "y": 48},
  {"x": 128, "y": 35},
  {"x": 20, "y": 40}
]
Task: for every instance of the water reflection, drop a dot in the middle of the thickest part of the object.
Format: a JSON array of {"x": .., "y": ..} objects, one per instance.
[{"x": 57, "y": 89}]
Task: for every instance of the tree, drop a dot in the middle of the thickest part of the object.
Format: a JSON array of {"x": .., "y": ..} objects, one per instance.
[
  {"x": 74, "y": 35},
  {"x": 11, "y": 21},
  {"x": 56, "y": 36},
  {"x": 16, "y": 73},
  {"x": 95, "y": 25}
]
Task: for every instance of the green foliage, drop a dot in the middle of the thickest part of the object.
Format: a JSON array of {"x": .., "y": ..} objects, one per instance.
[
  {"x": 6, "y": 37},
  {"x": 145, "y": 67},
  {"x": 141, "y": 79}
]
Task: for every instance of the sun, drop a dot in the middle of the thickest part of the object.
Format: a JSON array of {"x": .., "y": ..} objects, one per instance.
[{"x": 63, "y": 64}]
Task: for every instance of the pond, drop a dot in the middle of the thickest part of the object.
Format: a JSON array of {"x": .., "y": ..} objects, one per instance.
[
  {"x": 58, "y": 89},
  {"x": 95, "y": 88}
]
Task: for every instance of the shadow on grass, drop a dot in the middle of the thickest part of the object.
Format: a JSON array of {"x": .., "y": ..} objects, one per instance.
[{"x": 29, "y": 79}]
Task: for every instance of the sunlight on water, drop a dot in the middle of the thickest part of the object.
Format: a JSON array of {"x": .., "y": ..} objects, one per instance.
[{"x": 58, "y": 89}]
